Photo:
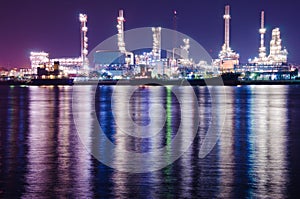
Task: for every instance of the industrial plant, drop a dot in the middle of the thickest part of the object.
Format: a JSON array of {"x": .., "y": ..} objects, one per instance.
[
  {"x": 228, "y": 58},
  {"x": 175, "y": 63}
]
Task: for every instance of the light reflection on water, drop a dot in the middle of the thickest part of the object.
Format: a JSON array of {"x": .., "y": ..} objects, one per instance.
[
  {"x": 252, "y": 149},
  {"x": 41, "y": 154}
]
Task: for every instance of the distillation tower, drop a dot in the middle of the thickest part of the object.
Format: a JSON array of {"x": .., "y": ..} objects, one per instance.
[
  {"x": 226, "y": 47},
  {"x": 185, "y": 48},
  {"x": 277, "y": 56},
  {"x": 262, "y": 31},
  {"x": 156, "y": 49},
  {"x": 84, "y": 40},
  {"x": 227, "y": 57},
  {"x": 120, "y": 27},
  {"x": 121, "y": 41},
  {"x": 262, "y": 55}
]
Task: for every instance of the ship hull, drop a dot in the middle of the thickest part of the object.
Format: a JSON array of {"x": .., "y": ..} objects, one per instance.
[{"x": 64, "y": 81}]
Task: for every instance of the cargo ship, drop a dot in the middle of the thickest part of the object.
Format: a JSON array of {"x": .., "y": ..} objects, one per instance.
[
  {"x": 48, "y": 81},
  {"x": 50, "y": 76}
]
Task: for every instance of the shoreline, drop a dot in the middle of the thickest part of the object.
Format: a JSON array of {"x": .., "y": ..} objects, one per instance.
[
  {"x": 198, "y": 82},
  {"x": 155, "y": 82}
]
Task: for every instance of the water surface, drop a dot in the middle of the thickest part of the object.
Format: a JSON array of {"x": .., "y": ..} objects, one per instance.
[{"x": 256, "y": 156}]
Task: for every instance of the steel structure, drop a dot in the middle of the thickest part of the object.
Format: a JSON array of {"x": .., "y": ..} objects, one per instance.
[
  {"x": 156, "y": 49},
  {"x": 84, "y": 40},
  {"x": 120, "y": 27},
  {"x": 129, "y": 57},
  {"x": 227, "y": 28},
  {"x": 277, "y": 56},
  {"x": 227, "y": 57},
  {"x": 262, "y": 31},
  {"x": 39, "y": 59},
  {"x": 185, "y": 48}
]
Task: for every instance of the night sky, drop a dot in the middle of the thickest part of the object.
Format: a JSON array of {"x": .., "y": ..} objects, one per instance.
[{"x": 52, "y": 25}]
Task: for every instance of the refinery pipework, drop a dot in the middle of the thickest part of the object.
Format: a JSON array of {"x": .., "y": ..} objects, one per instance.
[{"x": 277, "y": 56}]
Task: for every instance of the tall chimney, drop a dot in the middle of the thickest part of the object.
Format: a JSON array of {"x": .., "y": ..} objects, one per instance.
[
  {"x": 262, "y": 31},
  {"x": 227, "y": 26}
]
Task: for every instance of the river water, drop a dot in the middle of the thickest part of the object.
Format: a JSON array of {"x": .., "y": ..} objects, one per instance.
[{"x": 50, "y": 145}]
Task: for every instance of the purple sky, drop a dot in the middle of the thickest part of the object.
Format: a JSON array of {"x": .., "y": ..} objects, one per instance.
[{"x": 53, "y": 26}]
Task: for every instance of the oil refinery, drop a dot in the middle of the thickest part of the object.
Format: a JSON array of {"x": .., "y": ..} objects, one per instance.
[
  {"x": 172, "y": 64},
  {"x": 228, "y": 58}
]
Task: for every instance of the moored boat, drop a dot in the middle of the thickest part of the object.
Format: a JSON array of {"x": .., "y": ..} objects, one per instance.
[{"x": 56, "y": 81}]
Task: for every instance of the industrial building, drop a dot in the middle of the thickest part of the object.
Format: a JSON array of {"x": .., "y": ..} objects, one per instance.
[
  {"x": 268, "y": 67},
  {"x": 68, "y": 66},
  {"x": 177, "y": 62},
  {"x": 228, "y": 58}
]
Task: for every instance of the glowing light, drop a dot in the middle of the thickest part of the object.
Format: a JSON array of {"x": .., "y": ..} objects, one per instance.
[
  {"x": 84, "y": 29},
  {"x": 156, "y": 49},
  {"x": 169, "y": 115},
  {"x": 227, "y": 57},
  {"x": 277, "y": 56},
  {"x": 226, "y": 16},
  {"x": 82, "y": 17},
  {"x": 84, "y": 40},
  {"x": 38, "y": 59},
  {"x": 120, "y": 27}
]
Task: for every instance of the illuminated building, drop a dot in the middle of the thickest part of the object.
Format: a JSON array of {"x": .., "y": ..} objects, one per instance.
[
  {"x": 180, "y": 55},
  {"x": 151, "y": 61},
  {"x": 184, "y": 53},
  {"x": 39, "y": 59},
  {"x": 186, "y": 47},
  {"x": 277, "y": 56},
  {"x": 148, "y": 58},
  {"x": 227, "y": 57},
  {"x": 76, "y": 65},
  {"x": 68, "y": 62},
  {"x": 271, "y": 67},
  {"x": 67, "y": 65},
  {"x": 120, "y": 27},
  {"x": 156, "y": 50},
  {"x": 121, "y": 41}
]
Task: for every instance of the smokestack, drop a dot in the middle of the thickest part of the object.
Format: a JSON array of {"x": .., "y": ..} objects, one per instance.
[
  {"x": 262, "y": 19},
  {"x": 84, "y": 40},
  {"x": 156, "y": 49},
  {"x": 262, "y": 31},
  {"x": 120, "y": 27},
  {"x": 227, "y": 25},
  {"x": 121, "y": 13}
]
